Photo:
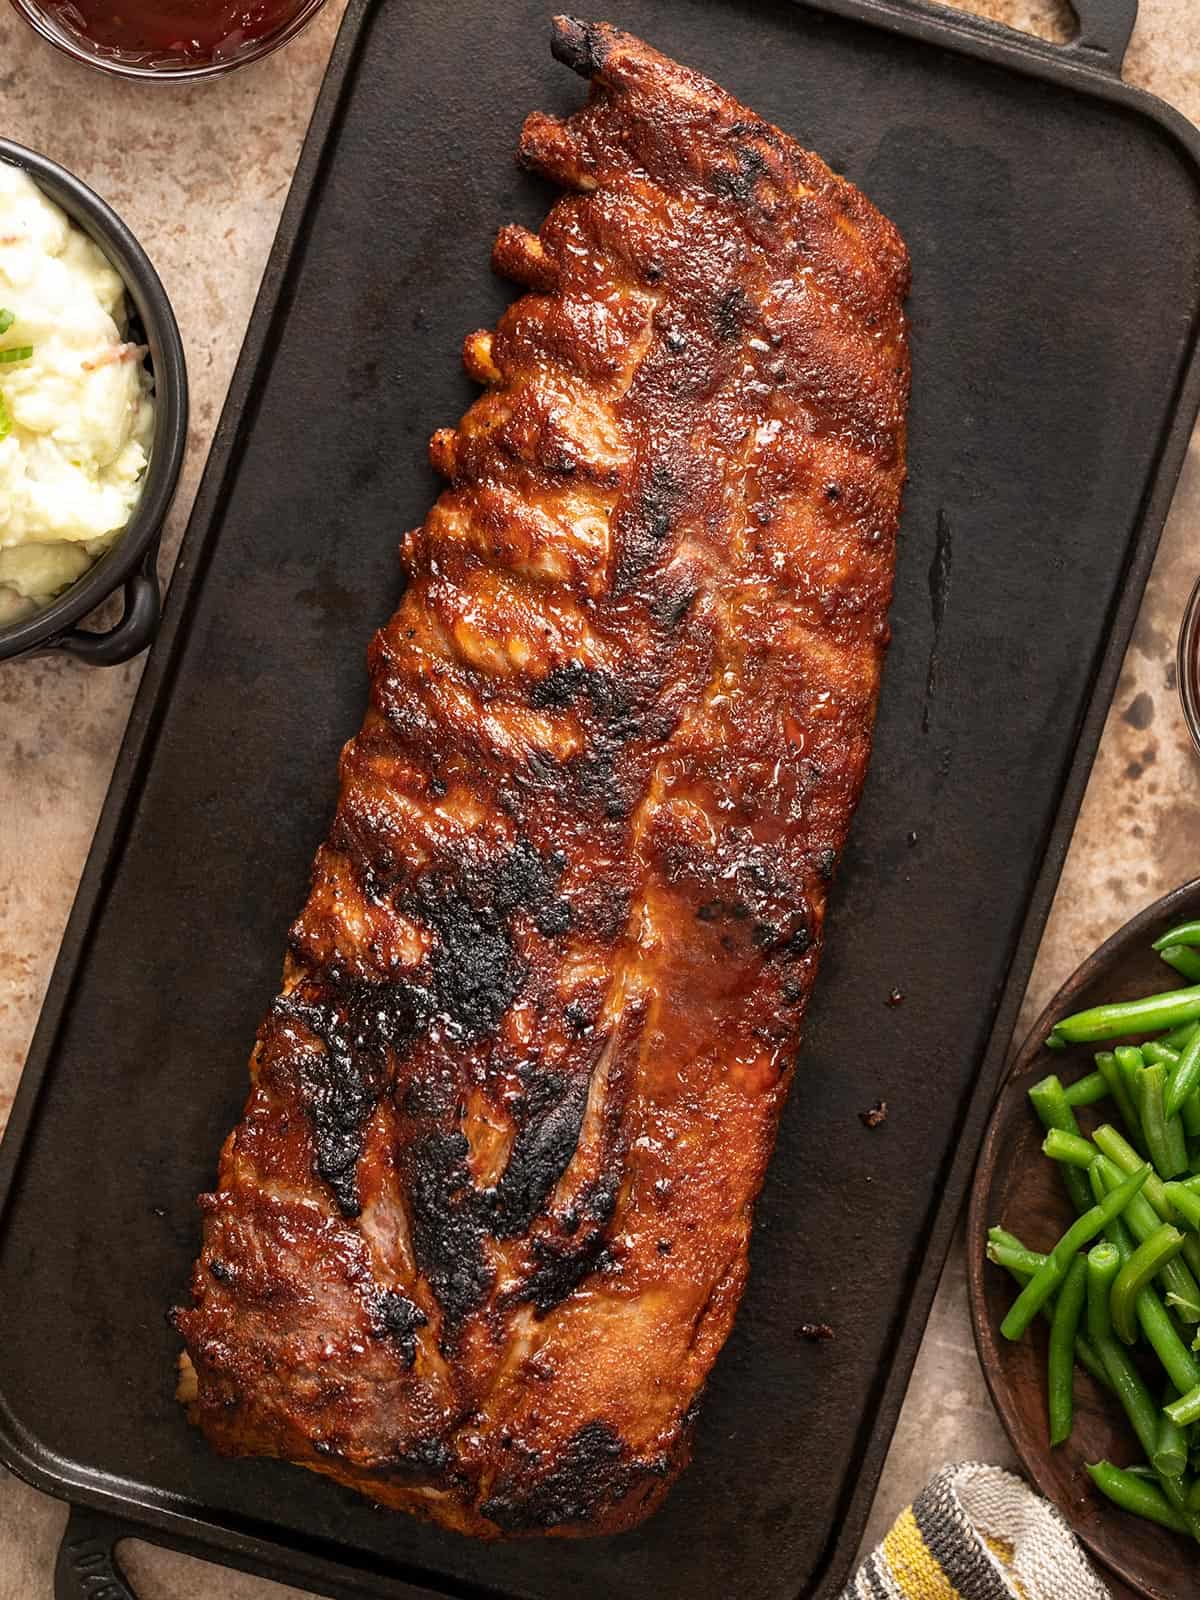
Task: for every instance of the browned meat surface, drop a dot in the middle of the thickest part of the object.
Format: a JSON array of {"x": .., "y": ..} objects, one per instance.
[{"x": 483, "y": 1227}]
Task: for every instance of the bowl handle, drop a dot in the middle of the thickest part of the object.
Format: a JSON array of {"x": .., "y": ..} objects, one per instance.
[
  {"x": 138, "y": 624},
  {"x": 87, "y": 1567}
]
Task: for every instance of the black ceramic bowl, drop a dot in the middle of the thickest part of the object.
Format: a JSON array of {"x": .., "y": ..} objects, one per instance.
[{"x": 130, "y": 562}]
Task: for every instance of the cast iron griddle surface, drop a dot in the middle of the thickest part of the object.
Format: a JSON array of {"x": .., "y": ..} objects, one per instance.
[{"x": 1054, "y": 245}]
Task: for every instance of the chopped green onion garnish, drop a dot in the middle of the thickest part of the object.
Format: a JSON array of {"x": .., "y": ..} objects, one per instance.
[
  {"x": 5, "y": 419},
  {"x": 6, "y": 319},
  {"x": 19, "y": 352}
]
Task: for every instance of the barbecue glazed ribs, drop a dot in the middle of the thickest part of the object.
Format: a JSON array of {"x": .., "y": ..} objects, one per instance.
[{"x": 483, "y": 1228}]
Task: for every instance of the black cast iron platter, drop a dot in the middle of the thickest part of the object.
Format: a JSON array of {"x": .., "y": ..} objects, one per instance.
[{"x": 1054, "y": 221}]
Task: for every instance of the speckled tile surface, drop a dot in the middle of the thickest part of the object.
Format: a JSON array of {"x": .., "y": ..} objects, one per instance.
[{"x": 200, "y": 173}]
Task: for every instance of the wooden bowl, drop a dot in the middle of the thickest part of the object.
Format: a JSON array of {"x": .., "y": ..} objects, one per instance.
[{"x": 1018, "y": 1188}]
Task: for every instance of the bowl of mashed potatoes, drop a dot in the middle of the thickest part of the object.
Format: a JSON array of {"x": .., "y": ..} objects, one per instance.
[{"x": 93, "y": 416}]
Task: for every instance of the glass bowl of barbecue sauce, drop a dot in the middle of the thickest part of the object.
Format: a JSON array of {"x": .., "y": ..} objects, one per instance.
[{"x": 167, "y": 39}]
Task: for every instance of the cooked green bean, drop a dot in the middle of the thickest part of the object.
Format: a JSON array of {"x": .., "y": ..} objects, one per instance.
[
  {"x": 1170, "y": 1457},
  {"x": 1177, "y": 1360},
  {"x": 1155, "y": 1050},
  {"x": 1186, "y": 1079},
  {"x": 1165, "y": 1143},
  {"x": 1185, "y": 1410},
  {"x": 1186, "y": 1202},
  {"x": 1122, "y": 1155},
  {"x": 1143, "y": 1266},
  {"x": 1008, "y": 1246},
  {"x": 1175, "y": 1491},
  {"x": 1048, "y": 1277},
  {"x": 1183, "y": 933},
  {"x": 1086, "y": 1091},
  {"x": 1142, "y": 1219},
  {"x": 1106, "y": 1066},
  {"x": 1147, "y": 1015},
  {"x": 1185, "y": 961},
  {"x": 1134, "y": 1494},
  {"x": 1178, "y": 1037},
  {"x": 1013, "y": 1258},
  {"x": 1060, "y": 1363},
  {"x": 1070, "y": 1148},
  {"x": 1103, "y": 1264},
  {"x": 1130, "y": 1061},
  {"x": 1189, "y": 1107},
  {"x": 1050, "y": 1103}
]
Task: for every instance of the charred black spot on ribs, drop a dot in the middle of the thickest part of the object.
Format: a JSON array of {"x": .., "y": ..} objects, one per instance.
[
  {"x": 644, "y": 523},
  {"x": 541, "y": 1151},
  {"x": 448, "y": 1227},
  {"x": 358, "y": 1025},
  {"x": 738, "y": 184},
  {"x": 394, "y": 1316},
  {"x": 732, "y": 313},
  {"x": 477, "y": 972},
  {"x": 613, "y": 705},
  {"x": 578, "y": 45},
  {"x": 560, "y": 1267},
  {"x": 595, "y": 1471}
]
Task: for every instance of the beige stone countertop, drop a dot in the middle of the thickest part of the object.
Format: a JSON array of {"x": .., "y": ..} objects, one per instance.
[{"x": 200, "y": 173}]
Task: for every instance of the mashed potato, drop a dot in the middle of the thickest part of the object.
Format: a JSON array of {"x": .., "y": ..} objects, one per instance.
[{"x": 76, "y": 415}]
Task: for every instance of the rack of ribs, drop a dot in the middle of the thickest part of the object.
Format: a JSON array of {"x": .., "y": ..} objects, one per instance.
[{"x": 483, "y": 1227}]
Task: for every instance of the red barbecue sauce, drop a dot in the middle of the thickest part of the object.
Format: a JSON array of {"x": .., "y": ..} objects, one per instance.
[{"x": 173, "y": 32}]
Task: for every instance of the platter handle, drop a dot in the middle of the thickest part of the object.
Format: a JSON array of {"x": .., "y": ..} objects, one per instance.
[
  {"x": 87, "y": 1567},
  {"x": 1104, "y": 29}
]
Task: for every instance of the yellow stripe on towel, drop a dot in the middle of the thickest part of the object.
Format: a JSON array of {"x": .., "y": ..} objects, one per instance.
[{"x": 912, "y": 1565}]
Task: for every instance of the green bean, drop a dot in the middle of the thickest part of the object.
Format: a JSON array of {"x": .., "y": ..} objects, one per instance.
[
  {"x": 1050, "y": 1103},
  {"x": 1170, "y": 1457},
  {"x": 1142, "y": 1219},
  {"x": 1134, "y": 1494},
  {"x": 1175, "y": 1491},
  {"x": 1164, "y": 1135},
  {"x": 1086, "y": 1091},
  {"x": 1193, "y": 1496},
  {"x": 1060, "y": 1362},
  {"x": 1185, "y": 1410},
  {"x": 1177, "y": 1038},
  {"x": 1129, "y": 1064},
  {"x": 1146, "y": 1262},
  {"x": 1155, "y": 1050},
  {"x": 1106, "y": 1065},
  {"x": 1069, "y": 1148},
  {"x": 1186, "y": 1202},
  {"x": 1189, "y": 1107},
  {"x": 1048, "y": 1277},
  {"x": 1187, "y": 1075},
  {"x": 1177, "y": 1360},
  {"x": 1013, "y": 1258},
  {"x": 1182, "y": 933},
  {"x": 1021, "y": 1264},
  {"x": 1185, "y": 961},
  {"x": 1147, "y": 1015},
  {"x": 1122, "y": 1154},
  {"x": 1103, "y": 1264}
]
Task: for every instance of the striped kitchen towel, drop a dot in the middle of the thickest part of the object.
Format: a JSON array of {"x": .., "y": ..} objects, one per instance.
[{"x": 977, "y": 1533}]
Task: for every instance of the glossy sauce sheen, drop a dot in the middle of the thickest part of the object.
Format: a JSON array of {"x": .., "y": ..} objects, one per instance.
[
  {"x": 483, "y": 1228},
  {"x": 185, "y": 32}
]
